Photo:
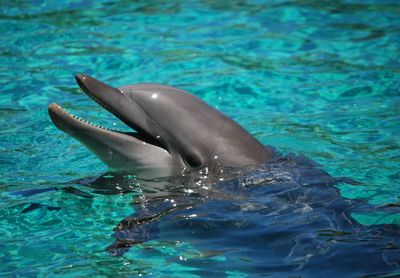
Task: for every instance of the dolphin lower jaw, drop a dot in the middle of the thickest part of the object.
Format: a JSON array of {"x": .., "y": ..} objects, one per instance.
[{"x": 119, "y": 150}]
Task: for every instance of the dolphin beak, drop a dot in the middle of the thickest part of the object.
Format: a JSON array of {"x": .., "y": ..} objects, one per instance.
[{"x": 115, "y": 148}]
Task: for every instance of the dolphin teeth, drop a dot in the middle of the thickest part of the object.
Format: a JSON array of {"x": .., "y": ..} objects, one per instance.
[{"x": 83, "y": 120}]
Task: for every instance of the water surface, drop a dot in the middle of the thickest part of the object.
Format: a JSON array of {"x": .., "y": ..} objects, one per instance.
[{"x": 315, "y": 79}]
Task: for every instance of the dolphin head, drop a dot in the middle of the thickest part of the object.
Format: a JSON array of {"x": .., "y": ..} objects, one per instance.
[{"x": 173, "y": 130}]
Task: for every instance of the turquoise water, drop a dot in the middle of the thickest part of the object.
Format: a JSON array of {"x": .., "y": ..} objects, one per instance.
[{"x": 319, "y": 79}]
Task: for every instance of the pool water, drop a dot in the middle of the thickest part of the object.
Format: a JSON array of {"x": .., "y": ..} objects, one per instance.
[{"x": 318, "y": 79}]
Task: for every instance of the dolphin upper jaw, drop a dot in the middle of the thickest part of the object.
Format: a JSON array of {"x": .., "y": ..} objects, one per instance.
[{"x": 123, "y": 106}]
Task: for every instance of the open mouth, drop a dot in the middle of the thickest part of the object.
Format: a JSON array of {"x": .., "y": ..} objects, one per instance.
[{"x": 73, "y": 124}]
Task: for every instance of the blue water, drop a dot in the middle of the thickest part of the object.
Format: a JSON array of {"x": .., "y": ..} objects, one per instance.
[{"x": 320, "y": 79}]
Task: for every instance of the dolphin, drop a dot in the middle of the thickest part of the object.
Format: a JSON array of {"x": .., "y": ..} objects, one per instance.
[{"x": 173, "y": 131}]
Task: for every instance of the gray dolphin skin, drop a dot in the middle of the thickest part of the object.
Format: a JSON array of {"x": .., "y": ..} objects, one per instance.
[{"x": 172, "y": 131}]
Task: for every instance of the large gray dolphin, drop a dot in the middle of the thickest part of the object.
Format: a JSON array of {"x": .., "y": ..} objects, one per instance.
[{"x": 174, "y": 131}]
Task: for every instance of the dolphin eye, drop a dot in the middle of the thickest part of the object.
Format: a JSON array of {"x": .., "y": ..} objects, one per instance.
[{"x": 193, "y": 160}]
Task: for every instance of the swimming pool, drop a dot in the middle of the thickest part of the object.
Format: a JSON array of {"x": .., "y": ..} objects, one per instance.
[{"x": 315, "y": 79}]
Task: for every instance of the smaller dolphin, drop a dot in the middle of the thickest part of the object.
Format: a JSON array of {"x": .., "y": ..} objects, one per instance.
[{"x": 174, "y": 131}]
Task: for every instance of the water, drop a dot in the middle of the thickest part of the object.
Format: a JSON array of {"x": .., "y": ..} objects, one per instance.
[{"x": 315, "y": 79}]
